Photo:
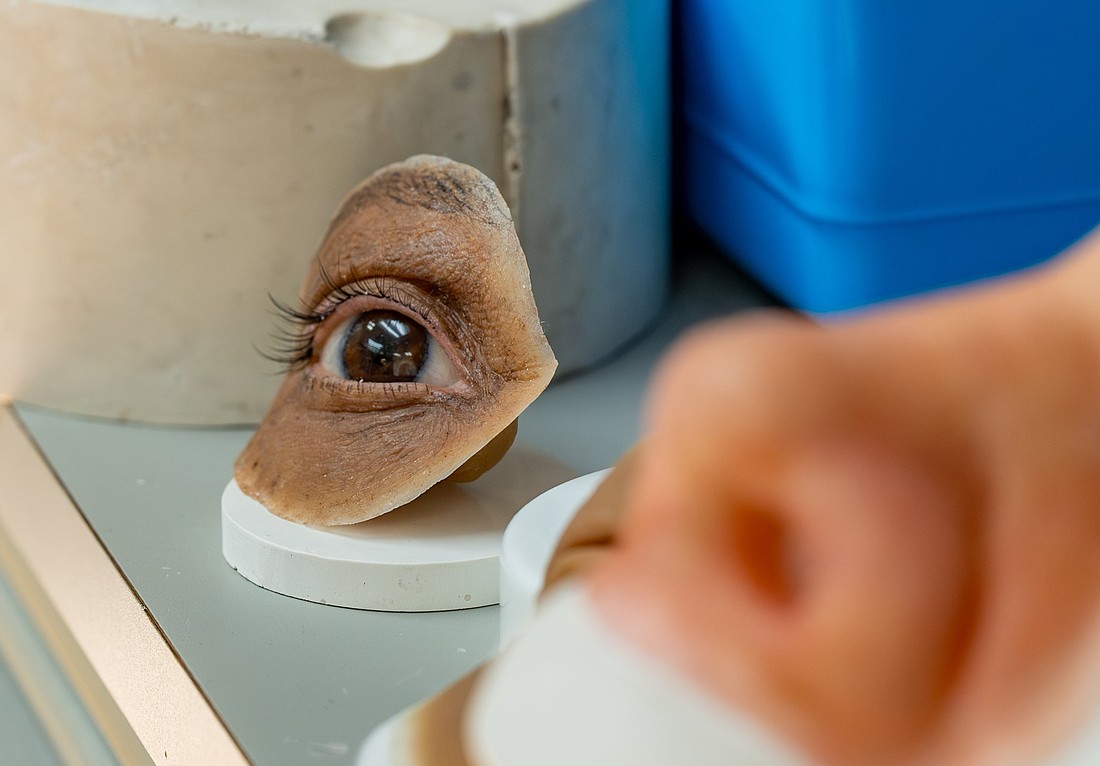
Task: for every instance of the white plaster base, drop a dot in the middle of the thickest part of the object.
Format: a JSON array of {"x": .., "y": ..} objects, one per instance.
[
  {"x": 439, "y": 552},
  {"x": 529, "y": 542}
]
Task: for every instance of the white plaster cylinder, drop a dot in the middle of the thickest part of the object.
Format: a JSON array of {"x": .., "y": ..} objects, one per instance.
[{"x": 164, "y": 166}]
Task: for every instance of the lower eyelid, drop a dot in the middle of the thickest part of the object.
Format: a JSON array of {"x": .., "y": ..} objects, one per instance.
[{"x": 327, "y": 392}]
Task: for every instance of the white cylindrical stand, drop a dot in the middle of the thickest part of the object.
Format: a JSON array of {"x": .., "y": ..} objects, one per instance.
[{"x": 439, "y": 552}]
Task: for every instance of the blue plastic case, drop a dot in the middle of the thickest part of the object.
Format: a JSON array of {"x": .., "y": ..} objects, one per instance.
[{"x": 850, "y": 151}]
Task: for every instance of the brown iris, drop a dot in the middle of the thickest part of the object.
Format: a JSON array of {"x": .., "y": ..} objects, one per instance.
[{"x": 384, "y": 347}]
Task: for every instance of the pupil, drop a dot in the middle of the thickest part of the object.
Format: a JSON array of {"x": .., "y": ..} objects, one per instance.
[{"x": 384, "y": 347}]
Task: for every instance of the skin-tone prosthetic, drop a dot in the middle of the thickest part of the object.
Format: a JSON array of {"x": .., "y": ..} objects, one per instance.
[
  {"x": 873, "y": 543},
  {"x": 416, "y": 347},
  {"x": 900, "y": 516}
]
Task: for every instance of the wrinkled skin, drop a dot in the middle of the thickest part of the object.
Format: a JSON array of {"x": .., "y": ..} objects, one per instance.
[
  {"x": 880, "y": 538},
  {"x": 432, "y": 241}
]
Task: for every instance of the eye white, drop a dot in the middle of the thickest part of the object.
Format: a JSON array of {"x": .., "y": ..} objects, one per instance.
[
  {"x": 332, "y": 355},
  {"x": 438, "y": 371}
]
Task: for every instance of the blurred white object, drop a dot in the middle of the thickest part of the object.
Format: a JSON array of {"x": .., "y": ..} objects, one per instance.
[
  {"x": 572, "y": 691},
  {"x": 166, "y": 165}
]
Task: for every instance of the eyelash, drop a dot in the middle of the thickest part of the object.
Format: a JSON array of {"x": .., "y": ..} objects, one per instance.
[{"x": 294, "y": 345}]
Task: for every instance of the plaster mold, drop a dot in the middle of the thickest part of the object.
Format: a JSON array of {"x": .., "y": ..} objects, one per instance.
[{"x": 163, "y": 166}]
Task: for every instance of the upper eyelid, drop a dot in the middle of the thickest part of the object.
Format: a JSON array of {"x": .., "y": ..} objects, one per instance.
[{"x": 396, "y": 290}]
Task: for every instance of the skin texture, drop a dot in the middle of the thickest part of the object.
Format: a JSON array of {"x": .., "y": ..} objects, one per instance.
[
  {"x": 880, "y": 537},
  {"x": 431, "y": 239}
]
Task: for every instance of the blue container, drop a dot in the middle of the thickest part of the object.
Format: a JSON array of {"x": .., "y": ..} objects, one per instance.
[{"x": 849, "y": 151}]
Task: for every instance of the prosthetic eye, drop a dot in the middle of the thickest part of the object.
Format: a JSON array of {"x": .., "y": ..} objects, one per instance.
[
  {"x": 384, "y": 346},
  {"x": 414, "y": 346}
]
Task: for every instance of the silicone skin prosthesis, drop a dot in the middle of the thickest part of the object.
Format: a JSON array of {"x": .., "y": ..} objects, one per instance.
[{"x": 416, "y": 346}]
